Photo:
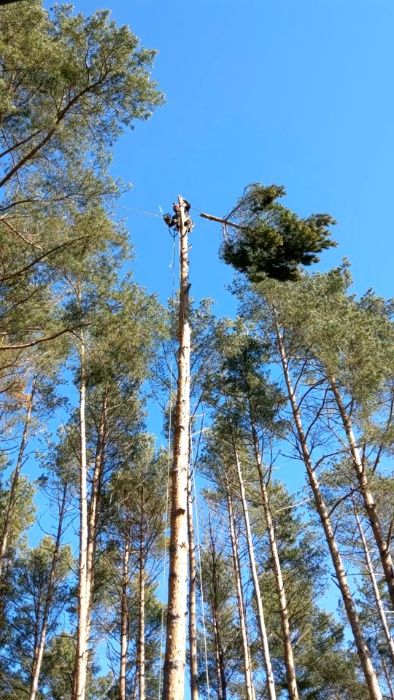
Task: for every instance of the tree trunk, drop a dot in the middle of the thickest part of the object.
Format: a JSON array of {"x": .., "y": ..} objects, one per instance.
[
  {"x": 94, "y": 508},
  {"x": 219, "y": 653},
  {"x": 174, "y": 664},
  {"x": 291, "y": 677},
  {"x": 12, "y": 496},
  {"x": 250, "y": 694},
  {"x": 375, "y": 588},
  {"x": 81, "y": 665},
  {"x": 40, "y": 644},
  {"x": 124, "y": 621},
  {"x": 192, "y": 597},
  {"x": 141, "y": 614},
  {"x": 256, "y": 585},
  {"x": 362, "y": 648},
  {"x": 368, "y": 498}
]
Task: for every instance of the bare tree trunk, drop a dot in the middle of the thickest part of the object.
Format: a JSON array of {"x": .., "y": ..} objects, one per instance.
[
  {"x": 256, "y": 585},
  {"x": 94, "y": 508},
  {"x": 375, "y": 588},
  {"x": 174, "y": 664},
  {"x": 12, "y": 496},
  {"x": 40, "y": 645},
  {"x": 192, "y": 597},
  {"x": 141, "y": 615},
  {"x": 368, "y": 498},
  {"x": 124, "y": 621},
  {"x": 250, "y": 694},
  {"x": 291, "y": 677},
  {"x": 219, "y": 653},
  {"x": 362, "y": 648},
  {"x": 81, "y": 665}
]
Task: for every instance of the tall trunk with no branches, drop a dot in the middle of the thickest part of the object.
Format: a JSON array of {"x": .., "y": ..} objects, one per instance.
[
  {"x": 250, "y": 694},
  {"x": 368, "y": 498},
  {"x": 124, "y": 620},
  {"x": 291, "y": 677},
  {"x": 256, "y": 585},
  {"x": 192, "y": 596},
  {"x": 81, "y": 661},
  {"x": 361, "y": 645},
  {"x": 141, "y": 603},
  {"x": 174, "y": 664},
  {"x": 39, "y": 647}
]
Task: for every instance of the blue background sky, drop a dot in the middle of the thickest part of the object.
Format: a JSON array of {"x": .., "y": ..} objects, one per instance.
[
  {"x": 299, "y": 93},
  {"x": 292, "y": 92}
]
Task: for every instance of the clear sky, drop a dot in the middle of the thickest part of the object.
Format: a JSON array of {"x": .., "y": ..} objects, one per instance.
[
  {"x": 292, "y": 92},
  {"x": 295, "y": 92}
]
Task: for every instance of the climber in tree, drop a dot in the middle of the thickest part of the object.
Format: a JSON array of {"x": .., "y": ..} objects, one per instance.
[{"x": 269, "y": 240}]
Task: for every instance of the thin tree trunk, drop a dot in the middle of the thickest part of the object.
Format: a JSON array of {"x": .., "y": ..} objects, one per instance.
[
  {"x": 219, "y": 653},
  {"x": 141, "y": 615},
  {"x": 81, "y": 665},
  {"x": 40, "y": 645},
  {"x": 94, "y": 509},
  {"x": 256, "y": 585},
  {"x": 192, "y": 597},
  {"x": 368, "y": 498},
  {"x": 174, "y": 664},
  {"x": 291, "y": 677},
  {"x": 375, "y": 588},
  {"x": 12, "y": 496},
  {"x": 362, "y": 648},
  {"x": 124, "y": 621},
  {"x": 250, "y": 694}
]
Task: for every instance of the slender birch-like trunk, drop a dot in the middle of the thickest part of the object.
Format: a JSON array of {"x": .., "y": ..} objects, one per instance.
[
  {"x": 81, "y": 665},
  {"x": 141, "y": 604},
  {"x": 375, "y": 588},
  {"x": 175, "y": 656},
  {"x": 12, "y": 496},
  {"x": 192, "y": 597},
  {"x": 291, "y": 677},
  {"x": 94, "y": 507},
  {"x": 361, "y": 645},
  {"x": 219, "y": 653},
  {"x": 256, "y": 585},
  {"x": 41, "y": 639},
  {"x": 124, "y": 621},
  {"x": 250, "y": 694},
  {"x": 368, "y": 498}
]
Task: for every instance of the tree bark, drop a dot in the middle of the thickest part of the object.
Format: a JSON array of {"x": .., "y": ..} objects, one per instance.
[
  {"x": 124, "y": 621},
  {"x": 250, "y": 694},
  {"x": 362, "y": 648},
  {"x": 12, "y": 496},
  {"x": 375, "y": 588},
  {"x": 256, "y": 585},
  {"x": 291, "y": 677},
  {"x": 80, "y": 672},
  {"x": 141, "y": 614},
  {"x": 41, "y": 640},
  {"x": 94, "y": 508},
  {"x": 219, "y": 653},
  {"x": 368, "y": 498},
  {"x": 174, "y": 664},
  {"x": 192, "y": 597}
]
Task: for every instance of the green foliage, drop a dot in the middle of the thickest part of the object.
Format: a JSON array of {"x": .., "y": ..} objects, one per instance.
[{"x": 273, "y": 241}]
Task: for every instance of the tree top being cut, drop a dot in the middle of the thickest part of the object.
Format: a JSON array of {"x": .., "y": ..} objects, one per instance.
[{"x": 270, "y": 240}]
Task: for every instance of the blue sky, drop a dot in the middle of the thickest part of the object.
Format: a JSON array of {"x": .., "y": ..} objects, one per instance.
[
  {"x": 292, "y": 92},
  {"x": 296, "y": 93}
]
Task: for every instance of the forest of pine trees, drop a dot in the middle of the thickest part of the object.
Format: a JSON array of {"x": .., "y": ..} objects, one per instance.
[{"x": 178, "y": 563}]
